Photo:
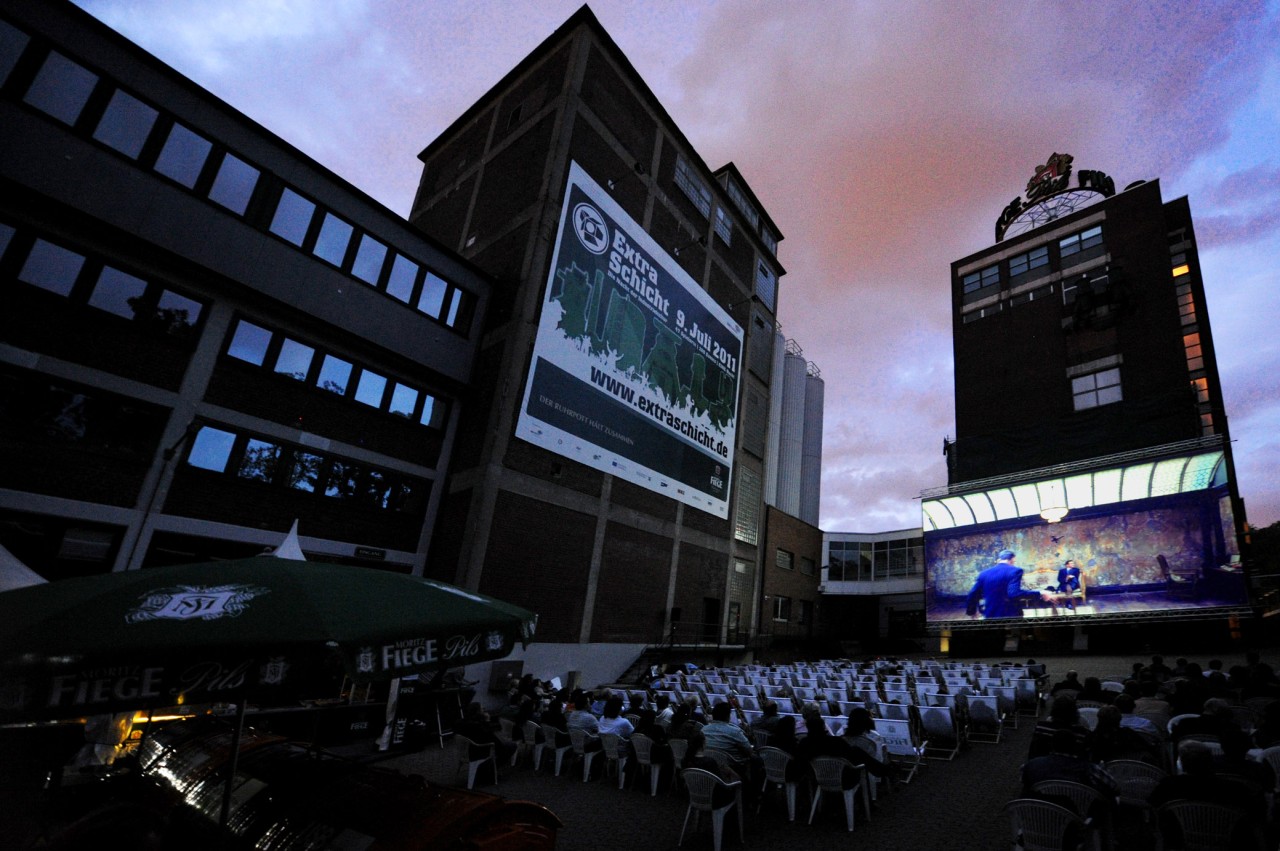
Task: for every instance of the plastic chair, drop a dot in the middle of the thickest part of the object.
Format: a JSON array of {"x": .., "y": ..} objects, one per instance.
[
  {"x": 828, "y": 776},
  {"x": 615, "y": 755},
  {"x": 679, "y": 750},
  {"x": 472, "y": 764},
  {"x": 1085, "y": 800},
  {"x": 531, "y": 743},
  {"x": 703, "y": 786},
  {"x": 549, "y": 734},
  {"x": 579, "y": 739},
  {"x": 1205, "y": 826},
  {"x": 643, "y": 746},
  {"x": 1136, "y": 780},
  {"x": 775, "y": 762},
  {"x": 1044, "y": 826},
  {"x": 507, "y": 733}
]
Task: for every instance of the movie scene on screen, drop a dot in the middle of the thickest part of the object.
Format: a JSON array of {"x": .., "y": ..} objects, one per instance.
[{"x": 1149, "y": 539}]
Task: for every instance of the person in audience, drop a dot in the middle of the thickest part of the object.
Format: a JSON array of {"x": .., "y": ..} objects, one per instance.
[
  {"x": 476, "y": 726},
  {"x": 769, "y": 718},
  {"x": 720, "y": 733},
  {"x": 665, "y": 712},
  {"x": 1198, "y": 782},
  {"x": 684, "y": 727},
  {"x": 1151, "y": 704},
  {"x": 784, "y": 735},
  {"x": 820, "y": 742},
  {"x": 1139, "y": 724},
  {"x": 1093, "y": 691},
  {"x": 1063, "y": 715},
  {"x": 598, "y": 701},
  {"x": 1111, "y": 740},
  {"x": 582, "y": 718},
  {"x": 611, "y": 720},
  {"x": 1070, "y": 684},
  {"x": 1062, "y": 761},
  {"x": 1159, "y": 669},
  {"x": 1215, "y": 720}
]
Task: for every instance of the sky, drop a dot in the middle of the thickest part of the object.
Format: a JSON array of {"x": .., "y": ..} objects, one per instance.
[{"x": 883, "y": 137}]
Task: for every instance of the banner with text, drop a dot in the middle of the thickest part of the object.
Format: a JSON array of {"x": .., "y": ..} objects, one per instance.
[{"x": 635, "y": 368}]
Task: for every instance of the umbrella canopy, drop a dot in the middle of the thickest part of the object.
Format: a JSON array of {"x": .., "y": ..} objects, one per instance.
[{"x": 262, "y": 628}]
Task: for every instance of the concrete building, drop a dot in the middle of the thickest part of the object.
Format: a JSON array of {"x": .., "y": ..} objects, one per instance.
[{"x": 206, "y": 334}]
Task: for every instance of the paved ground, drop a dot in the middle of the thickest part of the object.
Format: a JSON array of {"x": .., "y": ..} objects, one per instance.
[{"x": 951, "y": 805}]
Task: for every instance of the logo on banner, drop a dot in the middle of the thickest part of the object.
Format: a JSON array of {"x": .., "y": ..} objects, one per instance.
[
  {"x": 191, "y": 602},
  {"x": 592, "y": 232},
  {"x": 274, "y": 672},
  {"x": 364, "y": 660},
  {"x": 494, "y": 641}
]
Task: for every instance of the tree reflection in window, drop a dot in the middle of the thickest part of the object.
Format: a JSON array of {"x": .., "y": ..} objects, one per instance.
[
  {"x": 305, "y": 473},
  {"x": 343, "y": 481},
  {"x": 259, "y": 461}
]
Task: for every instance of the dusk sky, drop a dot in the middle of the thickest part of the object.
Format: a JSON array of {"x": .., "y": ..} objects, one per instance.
[{"x": 884, "y": 138}]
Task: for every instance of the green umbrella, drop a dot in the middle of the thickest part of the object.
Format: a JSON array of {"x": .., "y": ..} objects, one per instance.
[{"x": 260, "y": 629}]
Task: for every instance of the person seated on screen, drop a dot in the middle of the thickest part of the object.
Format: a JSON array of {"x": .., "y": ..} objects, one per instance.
[
  {"x": 1069, "y": 580},
  {"x": 999, "y": 587}
]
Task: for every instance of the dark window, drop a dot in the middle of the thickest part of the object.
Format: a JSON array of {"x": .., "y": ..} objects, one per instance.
[
  {"x": 6, "y": 234},
  {"x": 975, "y": 281},
  {"x": 784, "y": 560},
  {"x": 233, "y": 187},
  {"x": 61, "y": 88},
  {"x": 126, "y": 124},
  {"x": 177, "y": 312},
  {"x": 12, "y": 43},
  {"x": 1033, "y": 259},
  {"x": 306, "y": 472},
  {"x": 51, "y": 267},
  {"x": 259, "y": 461},
  {"x": 118, "y": 292},
  {"x": 183, "y": 155},
  {"x": 1082, "y": 241}
]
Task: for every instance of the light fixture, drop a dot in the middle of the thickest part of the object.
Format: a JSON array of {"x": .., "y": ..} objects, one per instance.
[
  {"x": 1054, "y": 513},
  {"x": 637, "y": 169},
  {"x": 701, "y": 240},
  {"x": 1053, "y": 502}
]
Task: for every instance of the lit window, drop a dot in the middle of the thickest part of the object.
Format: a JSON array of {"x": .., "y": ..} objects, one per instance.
[
  {"x": 51, "y": 267},
  {"x": 369, "y": 258},
  {"x": 1201, "y": 388},
  {"x": 1096, "y": 388},
  {"x": 292, "y": 217},
  {"x": 1031, "y": 260},
  {"x": 1195, "y": 355},
  {"x": 335, "y": 236},
  {"x": 126, "y": 124},
  {"x": 183, "y": 155},
  {"x": 1179, "y": 271},
  {"x": 693, "y": 187},
  {"x": 233, "y": 187},
  {"x": 249, "y": 343},
  {"x": 61, "y": 89},
  {"x": 1206, "y": 424}
]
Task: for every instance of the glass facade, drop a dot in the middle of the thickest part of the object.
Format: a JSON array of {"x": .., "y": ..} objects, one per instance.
[{"x": 869, "y": 561}]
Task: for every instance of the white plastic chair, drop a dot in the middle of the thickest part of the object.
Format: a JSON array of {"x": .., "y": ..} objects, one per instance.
[
  {"x": 828, "y": 776},
  {"x": 775, "y": 762},
  {"x": 702, "y": 786},
  {"x": 580, "y": 739},
  {"x": 1043, "y": 826},
  {"x": 549, "y": 734},
  {"x": 643, "y": 746},
  {"x": 615, "y": 755},
  {"x": 472, "y": 764},
  {"x": 1205, "y": 826}
]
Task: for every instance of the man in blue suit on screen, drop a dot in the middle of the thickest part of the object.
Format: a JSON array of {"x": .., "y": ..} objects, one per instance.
[{"x": 1001, "y": 587}]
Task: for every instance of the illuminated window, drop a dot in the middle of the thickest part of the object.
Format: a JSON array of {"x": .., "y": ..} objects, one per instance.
[
  {"x": 1195, "y": 355},
  {"x": 975, "y": 281},
  {"x": 1187, "y": 310},
  {"x": 1096, "y": 388},
  {"x": 1031, "y": 260},
  {"x": 1179, "y": 271},
  {"x": 1201, "y": 386},
  {"x": 1206, "y": 424}
]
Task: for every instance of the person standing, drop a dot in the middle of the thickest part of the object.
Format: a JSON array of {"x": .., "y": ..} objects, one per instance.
[{"x": 1000, "y": 586}]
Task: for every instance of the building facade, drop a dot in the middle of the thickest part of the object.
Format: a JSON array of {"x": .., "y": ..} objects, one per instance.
[
  {"x": 609, "y": 560},
  {"x": 874, "y": 582},
  {"x": 206, "y": 335},
  {"x": 1090, "y": 428}
]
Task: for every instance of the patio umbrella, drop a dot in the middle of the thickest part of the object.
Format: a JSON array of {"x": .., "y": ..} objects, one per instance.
[{"x": 259, "y": 629}]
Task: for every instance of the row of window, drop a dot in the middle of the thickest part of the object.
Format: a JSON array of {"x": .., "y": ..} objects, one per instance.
[
  {"x": 783, "y": 609},
  {"x": 301, "y": 361},
  {"x": 867, "y": 561},
  {"x": 976, "y": 284},
  {"x": 72, "y": 94},
  {"x": 279, "y": 465},
  {"x": 87, "y": 280},
  {"x": 1191, "y": 337},
  {"x": 786, "y": 561}
]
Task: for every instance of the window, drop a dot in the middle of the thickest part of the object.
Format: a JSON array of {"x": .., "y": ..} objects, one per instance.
[
  {"x": 306, "y": 471},
  {"x": 233, "y": 187},
  {"x": 1082, "y": 241},
  {"x": 211, "y": 449},
  {"x": 6, "y": 234},
  {"x": 693, "y": 187},
  {"x": 1187, "y": 309},
  {"x": 1033, "y": 259},
  {"x": 766, "y": 285},
  {"x": 370, "y": 388},
  {"x": 746, "y": 521},
  {"x": 1181, "y": 269},
  {"x": 403, "y": 400},
  {"x": 404, "y": 274},
  {"x": 12, "y": 43},
  {"x": 740, "y": 201},
  {"x": 249, "y": 343},
  {"x": 292, "y": 217},
  {"x": 1096, "y": 388},
  {"x": 126, "y": 124},
  {"x": 51, "y": 267},
  {"x": 807, "y": 567},
  {"x": 334, "y": 375},
  {"x": 177, "y": 312},
  {"x": 294, "y": 359},
  {"x": 976, "y": 281},
  {"x": 724, "y": 226},
  {"x": 770, "y": 240},
  {"x": 431, "y": 300},
  {"x": 1195, "y": 355},
  {"x": 782, "y": 608},
  {"x": 259, "y": 461},
  {"x": 335, "y": 236},
  {"x": 118, "y": 292},
  {"x": 369, "y": 258},
  {"x": 61, "y": 88},
  {"x": 183, "y": 155},
  {"x": 804, "y": 611},
  {"x": 1201, "y": 388},
  {"x": 784, "y": 560}
]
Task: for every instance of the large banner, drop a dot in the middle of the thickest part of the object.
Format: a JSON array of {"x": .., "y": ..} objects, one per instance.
[{"x": 635, "y": 368}]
